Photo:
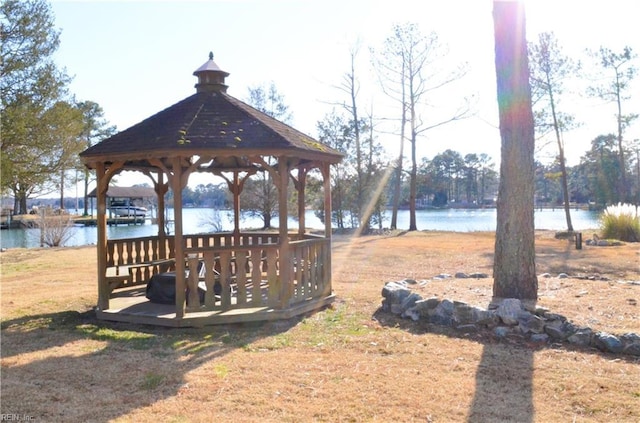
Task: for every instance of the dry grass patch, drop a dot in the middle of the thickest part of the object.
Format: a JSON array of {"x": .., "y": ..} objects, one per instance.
[{"x": 346, "y": 363}]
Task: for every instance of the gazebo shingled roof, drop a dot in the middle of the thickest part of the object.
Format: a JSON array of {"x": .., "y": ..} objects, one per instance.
[{"x": 209, "y": 120}]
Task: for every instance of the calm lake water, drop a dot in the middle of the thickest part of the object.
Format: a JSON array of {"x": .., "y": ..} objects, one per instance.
[{"x": 198, "y": 220}]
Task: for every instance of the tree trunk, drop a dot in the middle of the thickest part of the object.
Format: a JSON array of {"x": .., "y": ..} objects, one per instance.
[
  {"x": 413, "y": 187},
  {"x": 398, "y": 182},
  {"x": 565, "y": 190},
  {"x": 561, "y": 159},
  {"x": 62, "y": 182},
  {"x": 514, "y": 268},
  {"x": 397, "y": 185}
]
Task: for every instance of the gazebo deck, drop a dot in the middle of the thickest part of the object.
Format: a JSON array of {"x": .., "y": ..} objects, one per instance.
[
  {"x": 130, "y": 305},
  {"x": 241, "y": 278}
]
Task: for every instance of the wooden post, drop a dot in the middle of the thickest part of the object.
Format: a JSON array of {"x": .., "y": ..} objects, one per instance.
[
  {"x": 326, "y": 176},
  {"x": 101, "y": 226},
  {"x": 194, "y": 298},
  {"x": 302, "y": 181},
  {"x": 176, "y": 186},
  {"x": 578, "y": 240},
  {"x": 161, "y": 190},
  {"x": 285, "y": 252},
  {"x": 236, "y": 208}
]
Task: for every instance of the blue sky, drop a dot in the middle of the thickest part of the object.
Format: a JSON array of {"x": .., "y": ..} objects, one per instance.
[{"x": 137, "y": 58}]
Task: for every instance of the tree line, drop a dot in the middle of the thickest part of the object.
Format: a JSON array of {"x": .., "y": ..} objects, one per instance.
[{"x": 45, "y": 127}]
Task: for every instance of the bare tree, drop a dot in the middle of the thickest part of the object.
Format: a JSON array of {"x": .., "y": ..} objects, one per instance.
[
  {"x": 549, "y": 69},
  {"x": 514, "y": 270},
  {"x": 55, "y": 229},
  {"x": 260, "y": 195},
  {"x": 623, "y": 70},
  {"x": 410, "y": 72}
]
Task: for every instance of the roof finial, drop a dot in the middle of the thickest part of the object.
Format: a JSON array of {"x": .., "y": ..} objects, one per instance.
[{"x": 210, "y": 77}]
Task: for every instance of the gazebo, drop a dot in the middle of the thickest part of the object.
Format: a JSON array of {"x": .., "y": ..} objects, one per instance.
[{"x": 221, "y": 277}]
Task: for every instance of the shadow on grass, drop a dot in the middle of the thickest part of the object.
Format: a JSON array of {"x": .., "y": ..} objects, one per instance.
[
  {"x": 504, "y": 377},
  {"x": 71, "y": 366}
]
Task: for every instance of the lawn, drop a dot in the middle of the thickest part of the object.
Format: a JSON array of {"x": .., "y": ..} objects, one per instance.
[{"x": 349, "y": 362}]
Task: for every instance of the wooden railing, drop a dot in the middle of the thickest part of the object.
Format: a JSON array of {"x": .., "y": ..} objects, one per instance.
[
  {"x": 310, "y": 269},
  {"x": 133, "y": 261},
  {"x": 239, "y": 270},
  {"x": 233, "y": 277}
]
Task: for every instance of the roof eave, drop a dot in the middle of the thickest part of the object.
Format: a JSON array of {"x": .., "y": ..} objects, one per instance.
[{"x": 90, "y": 160}]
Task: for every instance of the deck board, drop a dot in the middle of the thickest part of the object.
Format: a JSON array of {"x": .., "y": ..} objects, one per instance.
[{"x": 130, "y": 305}]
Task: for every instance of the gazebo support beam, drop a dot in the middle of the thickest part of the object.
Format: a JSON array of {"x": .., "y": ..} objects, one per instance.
[
  {"x": 178, "y": 182},
  {"x": 300, "y": 185},
  {"x": 235, "y": 187},
  {"x": 326, "y": 176},
  {"x": 104, "y": 176},
  {"x": 285, "y": 250},
  {"x": 161, "y": 189}
]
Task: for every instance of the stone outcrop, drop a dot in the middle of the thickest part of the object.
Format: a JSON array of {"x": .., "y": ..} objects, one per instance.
[{"x": 509, "y": 317}]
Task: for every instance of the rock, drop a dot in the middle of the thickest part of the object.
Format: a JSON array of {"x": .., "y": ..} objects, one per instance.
[
  {"x": 607, "y": 342},
  {"x": 410, "y": 300},
  {"x": 632, "y": 349},
  {"x": 501, "y": 331},
  {"x": 508, "y": 311},
  {"x": 563, "y": 276},
  {"x": 541, "y": 311},
  {"x": 463, "y": 314},
  {"x": 540, "y": 338},
  {"x": 530, "y": 323},
  {"x": 461, "y": 275},
  {"x": 395, "y": 292},
  {"x": 442, "y": 276},
  {"x": 631, "y": 342},
  {"x": 559, "y": 329},
  {"x": 408, "y": 305},
  {"x": 545, "y": 275},
  {"x": 396, "y": 309},
  {"x": 443, "y": 314},
  {"x": 425, "y": 307},
  {"x": 486, "y": 318},
  {"x": 581, "y": 337},
  {"x": 554, "y": 316},
  {"x": 630, "y": 338},
  {"x": 412, "y": 314},
  {"x": 478, "y": 275},
  {"x": 470, "y": 328},
  {"x": 528, "y": 317}
]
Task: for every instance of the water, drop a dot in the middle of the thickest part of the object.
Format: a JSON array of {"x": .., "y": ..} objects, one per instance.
[{"x": 197, "y": 220}]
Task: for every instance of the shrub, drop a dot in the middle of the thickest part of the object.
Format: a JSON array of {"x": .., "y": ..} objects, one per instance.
[
  {"x": 622, "y": 222},
  {"x": 55, "y": 230}
]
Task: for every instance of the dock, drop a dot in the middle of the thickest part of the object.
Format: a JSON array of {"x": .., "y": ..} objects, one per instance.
[{"x": 113, "y": 221}]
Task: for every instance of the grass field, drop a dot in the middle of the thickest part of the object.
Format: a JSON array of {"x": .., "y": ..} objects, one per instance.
[{"x": 346, "y": 363}]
